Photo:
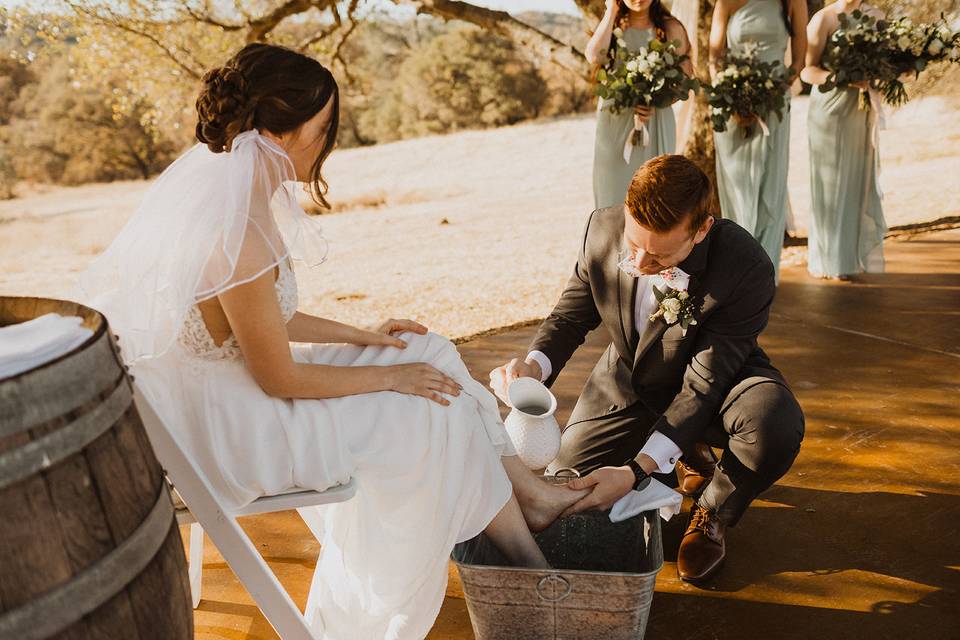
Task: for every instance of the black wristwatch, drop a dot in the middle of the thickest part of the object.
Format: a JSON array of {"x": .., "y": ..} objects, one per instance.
[{"x": 641, "y": 477}]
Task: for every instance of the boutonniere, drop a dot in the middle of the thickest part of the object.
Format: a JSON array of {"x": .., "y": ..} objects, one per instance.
[{"x": 675, "y": 307}]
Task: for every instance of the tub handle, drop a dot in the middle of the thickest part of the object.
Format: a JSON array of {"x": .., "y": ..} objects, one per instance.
[{"x": 555, "y": 580}]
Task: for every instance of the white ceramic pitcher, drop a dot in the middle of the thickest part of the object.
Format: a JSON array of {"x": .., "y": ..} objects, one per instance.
[{"x": 531, "y": 424}]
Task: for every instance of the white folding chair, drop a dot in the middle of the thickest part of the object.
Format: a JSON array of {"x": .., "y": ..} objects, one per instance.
[{"x": 207, "y": 513}]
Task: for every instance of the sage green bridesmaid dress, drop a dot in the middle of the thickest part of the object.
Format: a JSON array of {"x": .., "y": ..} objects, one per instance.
[
  {"x": 611, "y": 173},
  {"x": 847, "y": 224},
  {"x": 752, "y": 170}
]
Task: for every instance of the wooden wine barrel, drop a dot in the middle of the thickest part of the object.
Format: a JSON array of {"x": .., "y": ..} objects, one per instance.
[{"x": 88, "y": 543}]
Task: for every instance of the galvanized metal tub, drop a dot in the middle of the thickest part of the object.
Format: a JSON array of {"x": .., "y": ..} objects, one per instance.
[{"x": 601, "y": 586}]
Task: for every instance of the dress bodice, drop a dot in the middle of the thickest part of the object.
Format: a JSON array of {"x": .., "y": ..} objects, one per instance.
[
  {"x": 197, "y": 341},
  {"x": 760, "y": 22}
]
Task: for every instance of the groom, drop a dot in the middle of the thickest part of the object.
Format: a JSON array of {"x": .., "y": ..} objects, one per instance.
[{"x": 683, "y": 298}]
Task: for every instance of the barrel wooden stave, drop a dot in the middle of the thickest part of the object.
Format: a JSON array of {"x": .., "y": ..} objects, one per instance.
[{"x": 68, "y": 517}]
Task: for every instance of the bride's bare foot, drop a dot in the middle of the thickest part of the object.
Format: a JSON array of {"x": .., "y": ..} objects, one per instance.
[{"x": 541, "y": 510}]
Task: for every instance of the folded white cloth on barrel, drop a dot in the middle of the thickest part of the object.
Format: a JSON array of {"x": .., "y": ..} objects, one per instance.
[
  {"x": 32, "y": 343},
  {"x": 655, "y": 495}
]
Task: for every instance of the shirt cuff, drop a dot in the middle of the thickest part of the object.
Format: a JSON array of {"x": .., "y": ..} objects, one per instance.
[
  {"x": 663, "y": 450},
  {"x": 545, "y": 367}
]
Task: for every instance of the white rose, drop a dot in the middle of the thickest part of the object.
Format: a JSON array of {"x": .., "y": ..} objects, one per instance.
[
  {"x": 671, "y": 305},
  {"x": 683, "y": 295},
  {"x": 618, "y": 32},
  {"x": 935, "y": 47},
  {"x": 903, "y": 43},
  {"x": 654, "y": 56},
  {"x": 669, "y": 317},
  {"x": 632, "y": 65}
]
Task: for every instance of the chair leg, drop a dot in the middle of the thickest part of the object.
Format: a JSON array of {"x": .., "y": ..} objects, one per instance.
[
  {"x": 314, "y": 520},
  {"x": 256, "y": 576},
  {"x": 196, "y": 562}
]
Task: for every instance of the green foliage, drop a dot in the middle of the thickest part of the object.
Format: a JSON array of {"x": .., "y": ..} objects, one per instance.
[
  {"x": 651, "y": 76},
  {"x": 746, "y": 87},
  {"x": 464, "y": 79},
  {"x": 59, "y": 131},
  {"x": 105, "y": 89}
]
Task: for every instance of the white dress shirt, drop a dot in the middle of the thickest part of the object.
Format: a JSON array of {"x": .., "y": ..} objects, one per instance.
[{"x": 662, "y": 449}]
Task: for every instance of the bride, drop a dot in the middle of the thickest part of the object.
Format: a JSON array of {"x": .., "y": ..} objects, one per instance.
[{"x": 199, "y": 286}]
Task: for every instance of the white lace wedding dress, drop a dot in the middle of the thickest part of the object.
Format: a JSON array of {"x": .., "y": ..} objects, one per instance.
[{"x": 428, "y": 476}]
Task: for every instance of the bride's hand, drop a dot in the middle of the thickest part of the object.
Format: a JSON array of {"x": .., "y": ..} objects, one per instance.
[
  {"x": 421, "y": 379},
  {"x": 384, "y": 334}
]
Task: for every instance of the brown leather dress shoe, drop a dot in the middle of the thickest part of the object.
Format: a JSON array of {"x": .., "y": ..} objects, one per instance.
[
  {"x": 702, "y": 549},
  {"x": 695, "y": 470}
]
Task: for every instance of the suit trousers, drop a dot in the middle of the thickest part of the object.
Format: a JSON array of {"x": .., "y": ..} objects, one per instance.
[{"x": 759, "y": 427}]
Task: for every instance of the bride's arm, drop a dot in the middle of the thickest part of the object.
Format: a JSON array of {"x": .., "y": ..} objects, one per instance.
[
  {"x": 304, "y": 327},
  {"x": 255, "y": 319}
]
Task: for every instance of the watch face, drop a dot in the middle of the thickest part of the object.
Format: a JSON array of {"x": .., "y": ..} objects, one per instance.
[{"x": 641, "y": 484}]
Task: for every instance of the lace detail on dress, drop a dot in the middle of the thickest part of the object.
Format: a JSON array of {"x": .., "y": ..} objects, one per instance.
[{"x": 198, "y": 342}]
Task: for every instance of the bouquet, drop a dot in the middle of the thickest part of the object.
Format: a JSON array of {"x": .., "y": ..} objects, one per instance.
[
  {"x": 650, "y": 77},
  {"x": 911, "y": 47},
  {"x": 865, "y": 48},
  {"x": 747, "y": 90}
]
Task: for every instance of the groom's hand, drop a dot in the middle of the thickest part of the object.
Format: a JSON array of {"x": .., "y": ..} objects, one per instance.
[
  {"x": 501, "y": 377},
  {"x": 609, "y": 485},
  {"x": 384, "y": 334}
]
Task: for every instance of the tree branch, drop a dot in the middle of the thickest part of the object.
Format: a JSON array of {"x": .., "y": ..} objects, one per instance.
[
  {"x": 532, "y": 39},
  {"x": 206, "y": 16},
  {"x": 114, "y": 21},
  {"x": 260, "y": 27},
  {"x": 324, "y": 33}
]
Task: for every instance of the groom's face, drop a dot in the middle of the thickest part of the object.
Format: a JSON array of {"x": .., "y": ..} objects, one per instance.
[{"x": 654, "y": 251}]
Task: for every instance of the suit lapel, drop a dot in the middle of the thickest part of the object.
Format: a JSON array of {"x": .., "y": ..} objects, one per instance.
[
  {"x": 653, "y": 330},
  {"x": 694, "y": 266},
  {"x": 626, "y": 293}
]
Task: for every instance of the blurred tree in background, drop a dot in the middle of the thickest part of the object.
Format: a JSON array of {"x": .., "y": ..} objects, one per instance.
[
  {"x": 464, "y": 79},
  {"x": 104, "y": 89}
]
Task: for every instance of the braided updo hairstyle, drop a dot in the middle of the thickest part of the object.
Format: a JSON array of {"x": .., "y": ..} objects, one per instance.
[{"x": 265, "y": 86}]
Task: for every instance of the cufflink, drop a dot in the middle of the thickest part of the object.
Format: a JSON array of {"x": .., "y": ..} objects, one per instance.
[{"x": 673, "y": 461}]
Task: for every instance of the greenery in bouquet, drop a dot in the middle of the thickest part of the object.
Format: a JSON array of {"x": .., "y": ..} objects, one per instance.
[
  {"x": 880, "y": 52},
  {"x": 911, "y": 48},
  {"x": 856, "y": 53},
  {"x": 650, "y": 77},
  {"x": 747, "y": 89}
]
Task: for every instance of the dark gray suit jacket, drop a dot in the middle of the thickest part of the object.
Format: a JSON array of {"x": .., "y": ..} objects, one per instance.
[{"x": 683, "y": 379}]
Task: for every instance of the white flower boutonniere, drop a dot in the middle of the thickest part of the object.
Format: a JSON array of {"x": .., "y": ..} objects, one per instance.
[{"x": 676, "y": 307}]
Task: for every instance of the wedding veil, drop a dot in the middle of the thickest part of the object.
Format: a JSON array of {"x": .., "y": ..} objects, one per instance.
[{"x": 210, "y": 222}]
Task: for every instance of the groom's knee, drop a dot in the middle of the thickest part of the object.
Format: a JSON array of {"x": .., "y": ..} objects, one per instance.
[{"x": 766, "y": 427}]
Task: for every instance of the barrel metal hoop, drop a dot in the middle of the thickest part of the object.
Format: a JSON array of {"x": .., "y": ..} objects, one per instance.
[
  {"x": 51, "y": 391},
  {"x": 64, "y": 605},
  {"x": 556, "y": 580},
  {"x": 42, "y": 453}
]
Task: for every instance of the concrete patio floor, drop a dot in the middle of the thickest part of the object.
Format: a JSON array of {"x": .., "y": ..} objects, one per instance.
[{"x": 860, "y": 539}]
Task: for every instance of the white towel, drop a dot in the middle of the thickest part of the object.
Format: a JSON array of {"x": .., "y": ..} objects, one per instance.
[
  {"x": 32, "y": 343},
  {"x": 655, "y": 495}
]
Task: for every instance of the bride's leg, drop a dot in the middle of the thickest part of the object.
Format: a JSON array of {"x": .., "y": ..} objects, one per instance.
[
  {"x": 509, "y": 533},
  {"x": 541, "y": 502}
]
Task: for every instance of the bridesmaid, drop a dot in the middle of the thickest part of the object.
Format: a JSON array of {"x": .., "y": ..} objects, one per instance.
[
  {"x": 752, "y": 171},
  {"x": 847, "y": 224},
  {"x": 641, "y": 21}
]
